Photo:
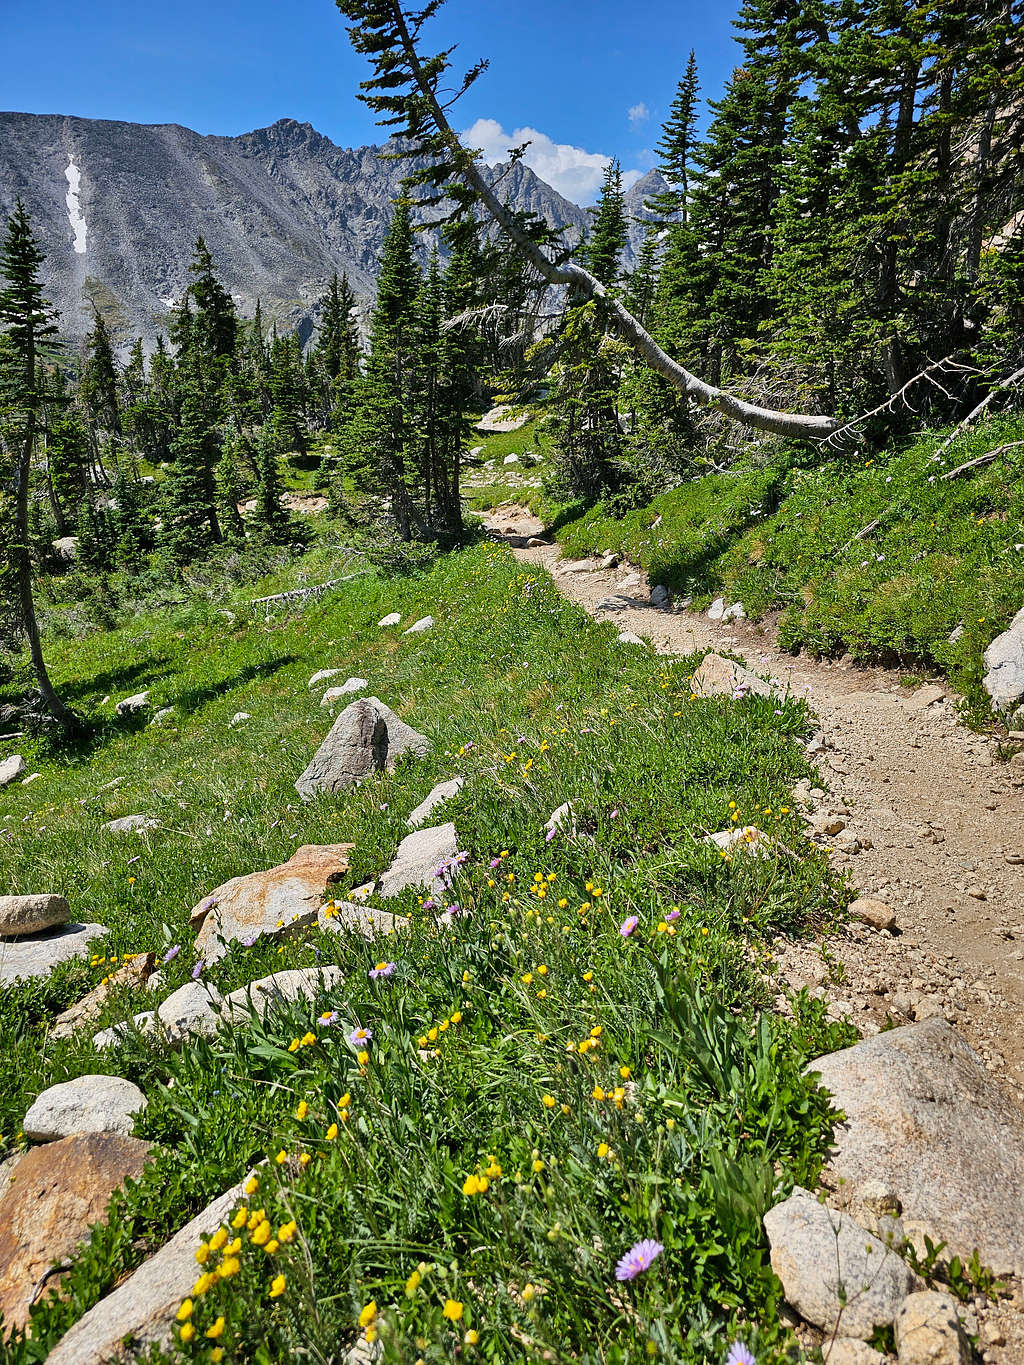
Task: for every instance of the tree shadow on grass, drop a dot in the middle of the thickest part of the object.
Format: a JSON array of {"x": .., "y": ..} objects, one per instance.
[
  {"x": 125, "y": 679},
  {"x": 191, "y": 699}
]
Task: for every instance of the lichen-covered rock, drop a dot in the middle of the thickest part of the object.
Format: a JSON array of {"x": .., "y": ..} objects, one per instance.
[{"x": 366, "y": 738}]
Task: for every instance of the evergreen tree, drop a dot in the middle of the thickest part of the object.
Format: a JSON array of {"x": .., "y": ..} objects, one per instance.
[
  {"x": 271, "y": 517},
  {"x": 229, "y": 488},
  {"x": 100, "y": 380},
  {"x": 131, "y": 528},
  {"x": 678, "y": 137},
  {"x": 25, "y": 319},
  {"x": 215, "y": 327},
  {"x": 609, "y": 232},
  {"x": 67, "y": 466},
  {"x": 191, "y": 524}
]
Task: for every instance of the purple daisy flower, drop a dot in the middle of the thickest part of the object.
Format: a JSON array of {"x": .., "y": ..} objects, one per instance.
[
  {"x": 248, "y": 942},
  {"x": 672, "y": 914},
  {"x": 382, "y": 969},
  {"x": 361, "y": 1037},
  {"x": 171, "y": 954},
  {"x": 638, "y": 1259},
  {"x": 550, "y": 834},
  {"x": 495, "y": 862},
  {"x": 740, "y": 1354},
  {"x": 197, "y": 970},
  {"x": 628, "y": 925}
]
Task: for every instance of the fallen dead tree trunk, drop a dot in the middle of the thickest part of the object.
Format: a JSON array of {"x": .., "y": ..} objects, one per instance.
[{"x": 299, "y": 594}]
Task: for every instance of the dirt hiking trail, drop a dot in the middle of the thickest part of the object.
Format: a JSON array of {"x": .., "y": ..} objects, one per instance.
[{"x": 916, "y": 808}]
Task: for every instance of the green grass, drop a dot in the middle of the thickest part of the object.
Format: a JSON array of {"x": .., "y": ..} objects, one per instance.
[
  {"x": 536, "y": 705},
  {"x": 783, "y": 538}
]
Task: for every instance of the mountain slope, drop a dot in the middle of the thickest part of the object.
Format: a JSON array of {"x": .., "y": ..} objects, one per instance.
[{"x": 118, "y": 206}]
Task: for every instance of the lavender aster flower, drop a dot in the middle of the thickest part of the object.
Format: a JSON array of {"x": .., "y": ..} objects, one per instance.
[
  {"x": 628, "y": 925},
  {"x": 495, "y": 862},
  {"x": 638, "y": 1259},
  {"x": 672, "y": 914},
  {"x": 382, "y": 969},
  {"x": 248, "y": 942},
  {"x": 171, "y": 954},
  {"x": 197, "y": 970},
  {"x": 739, "y": 1354},
  {"x": 550, "y": 834},
  {"x": 360, "y": 1037}
]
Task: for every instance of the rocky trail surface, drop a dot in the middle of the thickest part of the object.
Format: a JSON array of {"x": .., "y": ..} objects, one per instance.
[{"x": 918, "y": 810}]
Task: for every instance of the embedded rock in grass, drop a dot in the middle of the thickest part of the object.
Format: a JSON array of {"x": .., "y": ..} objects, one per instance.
[
  {"x": 239, "y": 718},
  {"x": 131, "y": 824},
  {"x": 835, "y": 1273},
  {"x": 1004, "y": 659},
  {"x": 37, "y": 955},
  {"x": 418, "y": 627},
  {"x": 743, "y": 839},
  {"x": 928, "y": 1332},
  {"x": 280, "y": 988},
  {"x": 719, "y": 677},
  {"x": 562, "y": 818},
  {"x": 281, "y": 899},
  {"x": 134, "y": 973},
  {"x": 498, "y": 420},
  {"x": 164, "y": 715},
  {"x": 88, "y": 1104},
  {"x": 325, "y": 674},
  {"x": 130, "y": 706},
  {"x": 11, "y": 769},
  {"x": 418, "y": 860},
  {"x": 144, "y": 1023},
  {"x": 737, "y": 612},
  {"x": 393, "y": 618},
  {"x": 350, "y": 685},
  {"x": 192, "y": 1008},
  {"x": 923, "y": 1115},
  {"x": 626, "y": 637},
  {"x": 141, "y": 1310},
  {"x": 343, "y": 917},
  {"x": 366, "y": 738},
  {"x": 59, "y": 1190},
  {"x": 444, "y": 791},
  {"x": 511, "y": 459},
  {"x": 661, "y": 597},
  {"x": 31, "y": 914}
]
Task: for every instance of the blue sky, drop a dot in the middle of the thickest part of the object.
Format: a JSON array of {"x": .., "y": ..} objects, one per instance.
[{"x": 586, "y": 81}]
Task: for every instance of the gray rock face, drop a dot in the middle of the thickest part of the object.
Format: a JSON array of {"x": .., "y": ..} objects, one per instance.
[
  {"x": 719, "y": 677},
  {"x": 350, "y": 685},
  {"x": 425, "y": 623},
  {"x": 130, "y": 706},
  {"x": 324, "y": 675},
  {"x": 281, "y": 988},
  {"x": 626, "y": 637},
  {"x": 131, "y": 824},
  {"x": 1004, "y": 659},
  {"x": 366, "y": 738},
  {"x": 928, "y": 1332},
  {"x": 192, "y": 1008},
  {"x": 142, "y": 1309},
  {"x": 924, "y": 1116},
  {"x": 36, "y": 955},
  {"x": 11, "y": 769},
  {"x": 393, "y": 618},
  {"x": 660, "y": 596},
  {"x": 418, "y": 858},
  {"x": 21, "y": 915},
  {"x": 281, "y": 209},
  {"x": 444, "y": 791},
  {"x": 88, "y": 1104},
  {"x": 834, "y": 1272}
]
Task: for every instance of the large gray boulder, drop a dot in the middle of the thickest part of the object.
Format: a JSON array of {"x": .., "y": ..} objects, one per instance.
[
  {"x": 418, "y": 860},
  {"x": 366, "y": 738},
  {"x": 31, "y": 914},
  {"x": 11, "y": 769},
  {"x": 720, "y": 677},
  {"x": 192, "y": 1008},
  {"x": 923, "y": 1115},
  {"x": 36, "y": 955},
  {"x": 280, "y": 988},
  {"x": 836, "y": 1274},
  {"x": 1004, "y": 660},
  {"x": 88, "y": 1104},
  {"x": 141, "y": 1310}
]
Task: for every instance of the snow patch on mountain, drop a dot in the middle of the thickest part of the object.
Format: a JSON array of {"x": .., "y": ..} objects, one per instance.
[{"x": 75, "y": 216}]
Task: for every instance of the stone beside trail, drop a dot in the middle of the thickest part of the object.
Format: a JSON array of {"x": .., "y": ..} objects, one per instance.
[
  {"x": 36, "y": 955},
  {"x": 418, "y": 858},
  {"x": 366, "y": 738},
  {"x": 835, "y": 1273},
  {"x": 20, "y": 915},
  {"x": 11, "y": 769},
  {"x": 88, "y": 1104},
  {"x": 719, "y": 677},
  {"x": 1004, "y": 660},
  {"x": 444, "y": 791},
  {"x": 923, "y": 1115},
  {"x": 928, "y": 1331},
  {"x": 282, "y": 898},
  {"x": 58, "y": 1190},
  {"x": 141, "y": 1310}
]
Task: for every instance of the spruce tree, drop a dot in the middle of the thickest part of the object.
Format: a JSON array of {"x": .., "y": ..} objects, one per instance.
[
  {"x": 191, "y": 524},
  {"x": 271, "y": 518},
  {"x": 678, "y": 138},
  {"x": 609, "y": 232},
  {"x": 26, "y": 321},
  {"x": 229, "y": 488}
]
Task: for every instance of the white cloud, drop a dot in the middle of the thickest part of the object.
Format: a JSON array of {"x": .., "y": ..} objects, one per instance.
[
  {"x": 572, "y": 171},
  {"x": 639, "y": 113}
]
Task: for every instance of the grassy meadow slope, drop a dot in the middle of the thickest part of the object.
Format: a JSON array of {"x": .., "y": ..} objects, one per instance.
[{"x": 606, "y": 1083}]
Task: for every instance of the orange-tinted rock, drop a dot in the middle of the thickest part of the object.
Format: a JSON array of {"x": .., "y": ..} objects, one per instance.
[
  {"x": 133, "y": 973},
  {"x": 56, "y": 1193},
  {"x": 272, "y": 902}
]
